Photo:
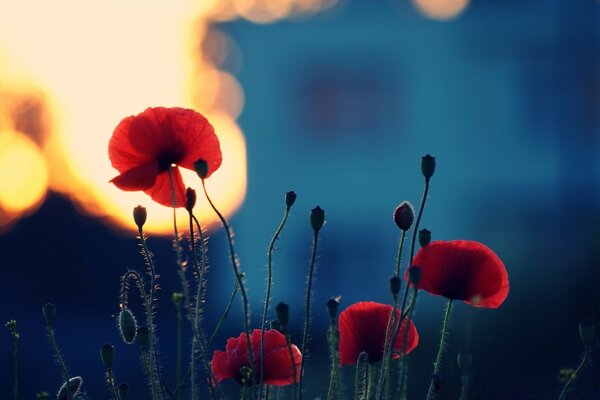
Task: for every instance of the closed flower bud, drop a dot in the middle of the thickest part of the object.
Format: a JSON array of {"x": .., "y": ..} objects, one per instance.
[
  {"x": 123, "y": 390},
  {"x": 70, "y": 389},
  {"x": 201, "y": 168},
  {"x": 190, "y": 199},
  {"x": 127, "y": 325},
  {"x": 428, "y": 166},
  {"x": 49, "y": 311},
  {"x": 107, "y": 353},
  {"x": 290, "y": 198},
  {"x": 414, "y": 275},
  {"x": 142, "y": 334},
  {"x": 317, "y": 218},
  {"x": 395, "y": 284},
  {"x": 177, "y": 297},
  {"x": 587, "y": 330},
  {"x": 404, "y": 216},
  {"x": 275, "y": 324},
  {"x": 463, "y": 360},
  {"x": 332, "y": 307},
  {"x": 139, "y": 216},
  {"x": 424, "y": 237},
  {"x": 283, "y": 313}
]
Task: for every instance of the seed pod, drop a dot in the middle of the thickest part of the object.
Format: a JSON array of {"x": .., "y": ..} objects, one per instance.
[
  {"x": 107, "y": 353},
  {"x": 404, "y": 215},
  {"x": 127, "y": 325},
  {"x": 428, "y": 166},
  {"x": 139, "y": 216},
  {"x": 395, "y": 284},
  {"x": 424, "y": 237},
  {"x": 201, "y": 168},
  {"x": 190, "y": 197},
  {"x": 317, "y": 218}
]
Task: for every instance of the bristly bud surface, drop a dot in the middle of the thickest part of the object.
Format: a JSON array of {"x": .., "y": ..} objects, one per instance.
[
  {"x": 107, "y": 353},
  {"x": 424, "y": 237},
  {"x": 404, "y": 215},
  {"x": 139, "y": 216},
  {"x": 190, "y": 199},
  {"x": 142, "y": 334},
  {"x": 123, "y": 390},
  {"x": 290, "y": 198},
  {"x": 201, "y": 168},
  {"x": 414, "y": 275},
  {"x": 395, "y": 284},
  {"x": 49, "y": 311},
  {"x": 283, "y": 314},
  {"x": 70, "y": 389},
  {"x": 464, "y": 360},
  {"x": 587, "y": 330},
  {"x": 428, "y": 166},
  {"x": 332, "y": 307},
  {"x": 127, "y": 325},
  {"x": 317, "y": 218}
]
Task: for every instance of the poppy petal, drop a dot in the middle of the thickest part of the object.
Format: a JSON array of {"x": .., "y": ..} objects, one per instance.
[
  {"x": 161, "y": 190},
  {"x": 138, "y": 178}
]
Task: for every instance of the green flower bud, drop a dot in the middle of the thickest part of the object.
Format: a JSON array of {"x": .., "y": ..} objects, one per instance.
[
  {"x": 283, "y": 313},
  {"x": 404, "y": 216},
  {"x": 107, "y": 353},
  {"x": 587, "y": 330},
  {"x": 290, "y": 198},
  {"x": 428, "y": 166},
  {"x": 49, "y": 311},
  {"x": 127, "y": 325},
  {"x": 317, "y": 218},
  {"x": 424, "y": 237},
  {"x": 190, "y": 197},
  {"x": 201, "y": 168},
  {"x": 68, "y": 391},
  {"x": 464, "y": 360},
  {"x": 139, "y": 216}
]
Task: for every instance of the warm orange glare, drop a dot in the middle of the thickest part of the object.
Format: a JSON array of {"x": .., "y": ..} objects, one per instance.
[
  {"x": 23, "y": 173},
  {"x": 441, "y": 9}
]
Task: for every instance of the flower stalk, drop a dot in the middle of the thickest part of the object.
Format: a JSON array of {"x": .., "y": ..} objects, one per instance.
[{"x": 431, "y": 392}]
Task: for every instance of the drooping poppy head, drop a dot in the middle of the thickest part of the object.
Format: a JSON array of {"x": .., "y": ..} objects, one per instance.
[
  {"x": 278, "y": 366},
  {"x": 144, "y": 146},
  {"x": 362, "y": 329},
  {"x": 463, "y": 270}
]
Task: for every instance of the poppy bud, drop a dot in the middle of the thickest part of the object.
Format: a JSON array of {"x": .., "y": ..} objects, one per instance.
[
  {"x": 414, "y": 275},
  {"x": 424, "y": 237},
  {"x": 290, "y": 198},
  {"x": 139, "y": 216},
  {"x": 404, "y": 216},
  {"x": 332, "y": 307},
  {"x": 142, "y": 334},
  {"x": 177, "y": 297},
  {"x": 49, "y": 311},
  {"x": 395, "y": 284},
  {"x": 190, "y": 199},
  {"x": 463, "y": 360},
  {"x": 317, "y": 218},
  {"x": 427, "y": 166},
  {"x": 586, "y": 332},
  {"x": 283, "y": 313},
  {"x": 127, "y": 325},
  {"x": 123, "y": 390},
  {"x": 201, "y": 168},
  {"x": 107, "y": 353},
  {"x": 70, "y": 389}
]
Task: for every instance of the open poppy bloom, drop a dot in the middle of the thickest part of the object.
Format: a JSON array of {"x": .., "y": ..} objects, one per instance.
[
  {"x": 362, "y": 329},
  {"x": 144, "y": 146},
  {"x": 278, "y": 367},
  {"x": 463, "y": 270}
]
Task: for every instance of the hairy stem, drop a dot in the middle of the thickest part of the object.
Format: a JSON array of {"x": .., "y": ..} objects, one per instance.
[{"x": 438, "y": 358}]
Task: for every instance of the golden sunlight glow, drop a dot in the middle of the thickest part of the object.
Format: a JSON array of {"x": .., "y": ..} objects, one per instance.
[
  {"x": 99, "y": 62},
  {"x": 441, "y": 9},
  {"x": 23, "y": 173}
]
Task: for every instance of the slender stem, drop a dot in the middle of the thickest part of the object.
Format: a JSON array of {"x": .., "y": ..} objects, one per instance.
[
  {"x": 334, "y": 380},
  {"x": 240, "y": 282},
  {"x": 574, "y": 375},
  {"x": 307, "y": 309},
  {"x": 111, "y": 383},
  {"x": 236, "y": 288},
  {"x": 267, "y": 392},
  {"x": 294, "y": 371},
  {"x": 268, "y": 296},
  {"x": 438, "y": 358},
  {"x": 399, "y": 256},
  {"x": 403, "y": 362},
  {"x": 464, "y": 391},
  {"x": 146, "y": 363},
  {"x": 12, "y": 327},
  {"x": 59, "y": 358},
  {"x": 179, "y": 361},
  {"x": 363, "y": 358}
]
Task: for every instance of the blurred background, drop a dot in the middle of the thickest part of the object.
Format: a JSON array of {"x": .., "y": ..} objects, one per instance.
[{"x": 338, "y": 101}]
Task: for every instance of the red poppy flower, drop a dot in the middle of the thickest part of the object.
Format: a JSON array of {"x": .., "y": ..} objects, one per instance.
[
  {"x": 143, "y": 147},
  {"x": 278, "y": 368},
  {"x": 463, "y": 270},
  {"x": 362, "y": 329}
]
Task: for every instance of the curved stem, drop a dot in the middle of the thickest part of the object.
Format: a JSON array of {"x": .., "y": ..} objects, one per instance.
[
  {"x": 59, "y": 358},
  {"x": 438, "y": 359},
  {"x": 574, "y": 375},
  {"x": 268, "y": 296},
  {"x": 307, "y": 309},
  {"x": 240, "y": 282}
]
